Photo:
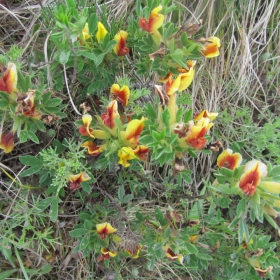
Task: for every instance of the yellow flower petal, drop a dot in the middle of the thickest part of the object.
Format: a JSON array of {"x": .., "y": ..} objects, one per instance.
[
  {"x": 104, "y": 229},
  {"x": 121, "y": 95},
  {"x": 211, "y": 48},
  {"x": 101, "y": 32},
  {"x": 228, "y": 159},
  {"x": 120, "y": 48},
  {"x": 125, "y": 154},
  {"x": 155, "y": 21},
  {"x": 133, "y": 130}
]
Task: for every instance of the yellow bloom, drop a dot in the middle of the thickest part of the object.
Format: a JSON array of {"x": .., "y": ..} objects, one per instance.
[
  {"x": 229, "y": 160},
  {"x": 120, "y": 48},
  {"x": 135, "y": 255},
  {"x": 101, "y": 32},
  {"x": 187, "y": 75},
  {"x": 154, "y": 22},
  {"x": 173, "y": 257},
  {"x": 76, "y": 180},
  {"x": 133, "y": 130},
  {"x": 85, "y": 32},
  {"x": 211, "y": 47},
  {"x": 8, "y": 81},
  {"x": 120, "y": 94},
  {"x": 105, "y": 229},
  {"x": 125, "y": 154},
  {"x": 254, "y": 171}
]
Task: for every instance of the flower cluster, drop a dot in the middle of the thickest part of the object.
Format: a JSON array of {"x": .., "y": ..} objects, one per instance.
[
  {"x": 127, "y": 140},
  {"x": 120, "y": 48},
  {"x": 23, "y": 104}
]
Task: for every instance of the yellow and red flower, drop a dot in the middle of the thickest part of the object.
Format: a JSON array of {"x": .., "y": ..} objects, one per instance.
[
  {"x": 171, "y": 86},
  {"x": 76, "y": 180},
  {"x": 8, "y": 81},
  {"x": 173, "y": 257},
  {"x": 134, "y": 254},
  {"x": 106, "y": 254},
  {"x": 133, "y": 130},
  {"x": 93, "y": 149},
  {"x": 205, "y": 114},
  {"x": 7, "y": 142},
  {"x": 196, "y": 132},
  {"x": 108, "y": 118},
  {"x": 211, "y": 47},
  {"x": 101, "y": 32},
  {"x": 253, "y": 173},
  {"x": 229, "y": 160},
  {"x": 187, "y": 75},
  {"x": 125, "y": 154},
  {"x": 154, "y": 22},
  {"x": 104, "y": 230},
  {"x": 85, "y": 130},
  {"x": 120, "y": 94},
  {"x": 26, "y": 105},
  {"x": 120, "y": 48},
  {"x": 141, "y": 152}
]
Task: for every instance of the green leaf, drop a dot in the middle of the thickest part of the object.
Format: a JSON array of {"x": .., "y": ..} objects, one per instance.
[
  {"x": 71, "y": 3},
  {"x": 86, "y": 187},
  {"x": 226, "y": 172},
  {"x": 223, "y": 189},
  {"x": 40, "y": 125},
  {"x": 241, "y": 207},
  {"x": 243, "y": 232},
  {"x": 88, "y": 225},
  {"x": 46, "y": 97},
  {"x": 275, "y": 171},
  {"x": 43, "y": 204},
  {"x": 92, "y": 23},
  {"x": 127, "y": 198},
  {"x": 150, "y": 111},
  {"x": 165, "y": 116},
  {"x": 234, "y": 223},
  {"x": 186, "y": 177},
  {"x": 30, "y": 160},
  {"x": 46, "y": 268},
  {"x": 53, "y": 102},
  {"x": 23, "y": 136},
  {"x": 99, "y": 59},
  {"x": 121, "y": 193},
  {"x": 4, "y": 95},
  {"x": 78, "y": 232},
  {"x": 271, "y": 221},
  {"x": 85, "y": 241},
  {"x": 8, "y": 273},
  {"x": 145, "y": 140},
  {"x": 89, "y": 55},
  {"x": 64, "y": 56},
  {"x": 204, "y": 257},
  {"x": 31, "y": 171},
  {"x": 167, "y": 232},
  {"x": 33, "y": 137},
  {"x": 191, "y": 248},
  {"x": 156, "y": 135},
  {"x": 3, "y": 103},
  {"x": 54, "y": 209},
  {"x": 184, "y": 39}
]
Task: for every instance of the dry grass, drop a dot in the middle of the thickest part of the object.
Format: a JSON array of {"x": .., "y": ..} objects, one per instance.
[{"x": 245, "y": 73}]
